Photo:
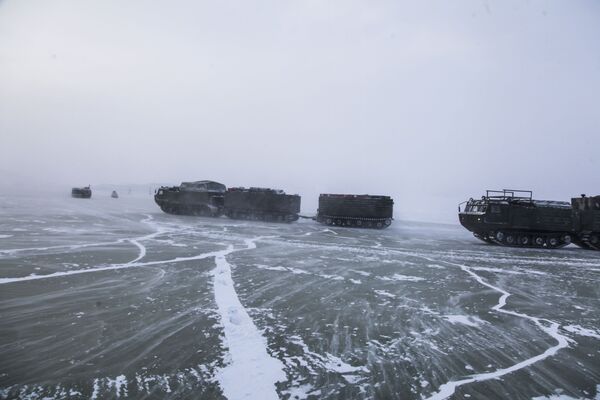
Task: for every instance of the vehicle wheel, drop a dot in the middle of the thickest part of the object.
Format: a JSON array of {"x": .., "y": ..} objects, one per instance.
[
  {"x": 329, "y": 221},
  {"x": 524, "y": 240},
  {"x": 510, "y": 239},
  {"x": 567, "y": 239},
  {"x": 338, "y": 222},
  {"x": 388, "y": 222},
  {"x": 553, "y": 242},
  {"x": 539, "y": 241},
  {"x": 359, "y": 223},
  {"x": 379, "y": 225},
  {"x": 500, "y": 236}
]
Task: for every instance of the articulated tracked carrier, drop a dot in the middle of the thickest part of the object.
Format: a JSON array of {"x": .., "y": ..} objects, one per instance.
[
  {"x": 204, "y": 198},
  {"x": 514, "y": 218},
  {"x": 81, "y": 193},
  {"x": 261, "y": 204},
  {"x": 361, "y": 211}
]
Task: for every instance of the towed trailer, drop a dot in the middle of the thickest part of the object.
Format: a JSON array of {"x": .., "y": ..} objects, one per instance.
[{"x": 352, "y": 210}]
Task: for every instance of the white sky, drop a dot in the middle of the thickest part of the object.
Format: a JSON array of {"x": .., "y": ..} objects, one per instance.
[{"x": 431, "y": 102}]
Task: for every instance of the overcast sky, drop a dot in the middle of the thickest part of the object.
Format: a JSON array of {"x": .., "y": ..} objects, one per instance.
[{"x": 430, "y": 102}]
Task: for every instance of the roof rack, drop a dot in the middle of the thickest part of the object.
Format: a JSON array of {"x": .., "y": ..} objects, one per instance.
[{"x": 512, "y": 194}]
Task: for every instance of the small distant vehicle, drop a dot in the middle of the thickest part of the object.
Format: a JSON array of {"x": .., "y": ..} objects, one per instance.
[
  {"x": 351, "y": 210},
  {"x": 114, "y": 194},
  {"x": 203, "y": 198},
  {"x": 81, "y": 193},
  {"x": 513, "y": 218},
  {"x": 261, "y": 204}
]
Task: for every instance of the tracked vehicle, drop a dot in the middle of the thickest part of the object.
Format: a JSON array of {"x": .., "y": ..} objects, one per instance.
[
  {"x": 81, "y": 193},
  {"x": 586, "y": 221},
  {"x": 351, "y": 210},
  {"x": 203, "y": 198},
  {"x": 514, "y": 218},
  {"x": 261, "y": 204}
]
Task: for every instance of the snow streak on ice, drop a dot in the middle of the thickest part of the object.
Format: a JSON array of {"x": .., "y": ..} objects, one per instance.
[
  {"x": 251, "y": 369},
  {"x": 550, "y": 327}
]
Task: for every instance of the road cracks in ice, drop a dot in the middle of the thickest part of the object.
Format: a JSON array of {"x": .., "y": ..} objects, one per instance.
[
  {"x": 137, "y": 241},
  {"x": 248, "y": 356},
  {"x": 549, "y": 327},
  {"x": 248, "y": 370}
]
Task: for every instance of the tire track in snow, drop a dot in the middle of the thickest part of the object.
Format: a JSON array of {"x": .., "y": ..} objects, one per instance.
[
  {"x": 447, "y": 389},
  {"x": 251, "y": 372}
]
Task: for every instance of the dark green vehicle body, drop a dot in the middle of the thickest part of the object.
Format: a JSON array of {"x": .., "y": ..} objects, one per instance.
[
  {"x": 81, "y": 193},
  {"x": 203, "y": 198},
  {"x": 514, "y": 218},
  {"x": 208, "y": 198},
  {"x": 261, "y": 204},
  {"x": 587, "y": 221},
  {"x": 361, "y": 211}
]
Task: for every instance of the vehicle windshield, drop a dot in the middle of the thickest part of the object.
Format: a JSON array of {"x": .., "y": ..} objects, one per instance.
[{"x": 478, "y": 206}]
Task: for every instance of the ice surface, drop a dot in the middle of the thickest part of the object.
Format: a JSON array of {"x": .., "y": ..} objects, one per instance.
[
  {"x": 468, "y": 320},
  {"x": 100, "y": 299}
]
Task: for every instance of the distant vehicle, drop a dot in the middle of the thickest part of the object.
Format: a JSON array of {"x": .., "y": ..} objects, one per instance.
[
  {"x": 204, "y": 198},
  {"x": 513, "y": 218},
  {"x": 261, "y": 204},
  {"x": 361, "y": 211},
  {"x": 82, "y": 193},
  {"x": 114, "y": 194}
]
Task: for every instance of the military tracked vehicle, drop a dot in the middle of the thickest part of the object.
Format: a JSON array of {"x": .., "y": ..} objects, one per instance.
[
  {"x": 586, "y": 221},
  {"x": 261, "y": 204},
  {"x": 203, "y": 198},
  {"x": 362, "y": 211},
  {"x": 81, "y": 193},
  {"x": 514, "y": 218}
]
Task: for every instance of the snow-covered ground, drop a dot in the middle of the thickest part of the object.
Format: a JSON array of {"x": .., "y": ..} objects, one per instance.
[{"x": 107, "y": 298}]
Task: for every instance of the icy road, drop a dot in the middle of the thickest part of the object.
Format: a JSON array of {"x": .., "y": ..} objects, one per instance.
[{"x": 108, "y": 298}]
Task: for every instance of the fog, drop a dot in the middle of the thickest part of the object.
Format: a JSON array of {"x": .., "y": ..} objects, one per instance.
[{"x": 429, "y": 102}]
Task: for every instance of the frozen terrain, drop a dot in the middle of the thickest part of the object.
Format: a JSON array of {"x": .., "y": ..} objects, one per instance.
[{"x": 107, "y": 298}]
